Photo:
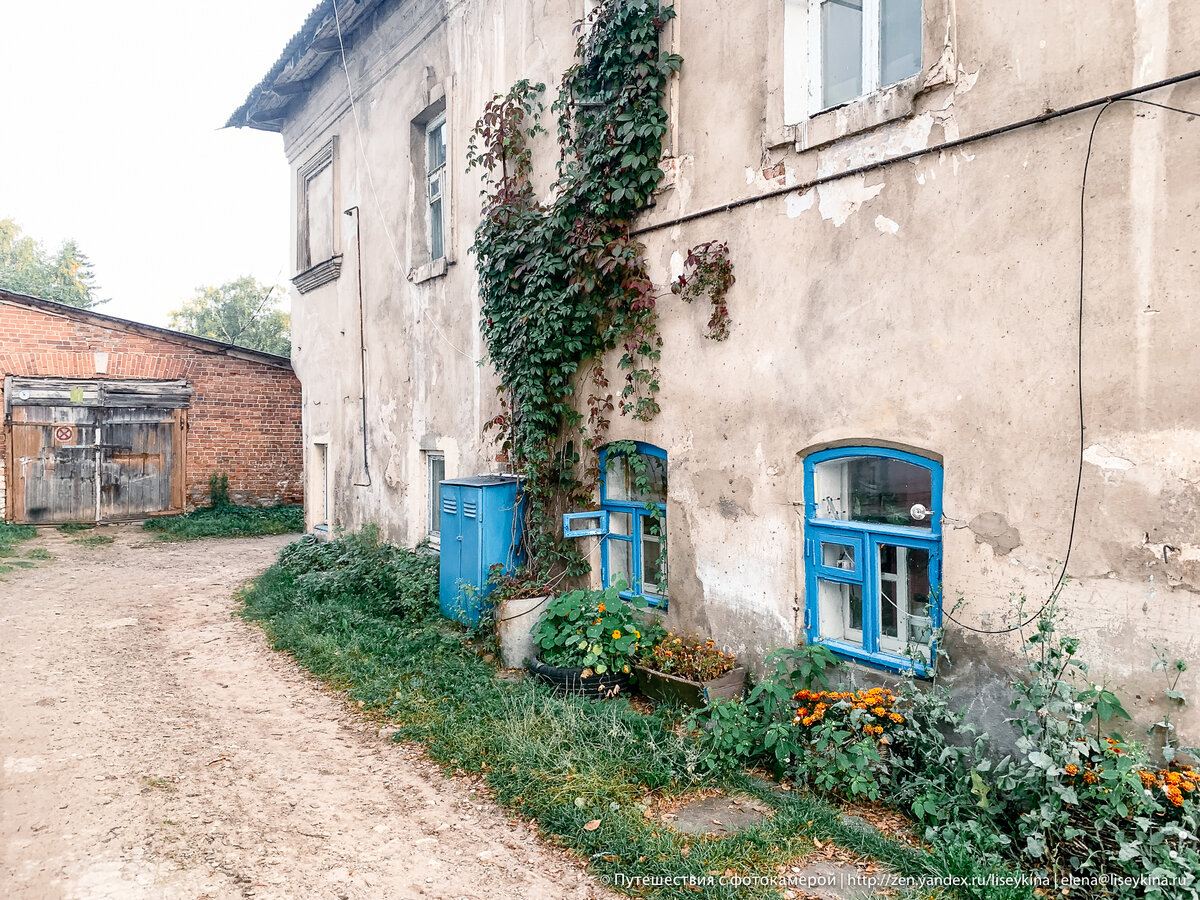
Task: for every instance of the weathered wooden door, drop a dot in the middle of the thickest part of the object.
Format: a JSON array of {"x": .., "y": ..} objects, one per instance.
[
  {"x": 91, "y": 451},
  {"x": 54, "y": 462},
  {"x": 137, "y": 459}
]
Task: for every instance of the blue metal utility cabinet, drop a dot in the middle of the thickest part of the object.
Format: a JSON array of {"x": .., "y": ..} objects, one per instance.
[{"x": 481, "y": 528}]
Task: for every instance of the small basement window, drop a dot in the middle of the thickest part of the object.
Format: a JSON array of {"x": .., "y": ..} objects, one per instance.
[
  {"x": 872, "y": 550},
  {"x": 631, "y": 521}
]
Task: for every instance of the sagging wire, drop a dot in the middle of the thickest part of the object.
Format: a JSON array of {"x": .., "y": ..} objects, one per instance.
[{"x": 1062, "y": 575}]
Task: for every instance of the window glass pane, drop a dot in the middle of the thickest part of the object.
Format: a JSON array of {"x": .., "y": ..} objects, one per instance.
[
  {"x": 841, "y": 50},
  {"x": 904, "y": 597},
  {"x": 875, "y": 490},
  {"x": 899, "y": 39},
  {"x": 436, "y": 242},
  {"x": 620, "y": 562},
  {"x": 437, "y": 474},
  {"x": 319, "y": 226},
  {"x": 654, "y": 565},
  {"x": 837, "y": 556},
  {"x": 643, "y": 480},
  {"x": 841, "y": 611},
  {"x": 620, "y": 522},
  {"x": 435, "y": 151}
]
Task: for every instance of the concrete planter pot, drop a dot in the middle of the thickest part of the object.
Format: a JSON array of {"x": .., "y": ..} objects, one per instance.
[
  {"x": 515, "y": 620},
  {"x": 671, "y": 688},
  {"x": 572, "y": 680}
]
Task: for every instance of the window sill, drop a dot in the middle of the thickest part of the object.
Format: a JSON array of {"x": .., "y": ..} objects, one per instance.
[
  {"x": 890, "y": 662},
  {"x": 435, "y": 269},
  {"x": 315, "y": 276},
  {"x": 855, "y": 117}
]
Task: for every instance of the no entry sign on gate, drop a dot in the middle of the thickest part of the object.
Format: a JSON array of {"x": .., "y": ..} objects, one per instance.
[{"x": 64, "y": 434}]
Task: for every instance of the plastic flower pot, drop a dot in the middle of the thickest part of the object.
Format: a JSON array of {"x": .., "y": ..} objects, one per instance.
[{"x": 573, "y": 680}]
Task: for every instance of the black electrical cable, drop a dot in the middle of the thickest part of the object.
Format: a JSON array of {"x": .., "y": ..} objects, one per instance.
[{"x": 1079, "y": 369}]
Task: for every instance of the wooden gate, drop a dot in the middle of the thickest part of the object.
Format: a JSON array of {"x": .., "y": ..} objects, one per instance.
[{"x": 94, "y": 451}]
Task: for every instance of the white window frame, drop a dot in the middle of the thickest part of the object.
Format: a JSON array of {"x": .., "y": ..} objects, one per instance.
[
  {"x": 440, "y": 175},
  {"x": 803, "y": 53},
  {"x": 433, "y": 494}
]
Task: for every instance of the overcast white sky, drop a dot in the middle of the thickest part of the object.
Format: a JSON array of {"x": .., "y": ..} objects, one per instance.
[{"x": 110, "y": 133}]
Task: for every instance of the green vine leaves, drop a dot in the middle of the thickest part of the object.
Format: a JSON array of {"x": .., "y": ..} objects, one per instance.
[{"x": 561, "y": 281}]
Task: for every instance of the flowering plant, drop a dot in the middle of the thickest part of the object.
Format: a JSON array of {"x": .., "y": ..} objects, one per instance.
[
  {"x": 688, "y": 656},
  {"x": 596, "y": 630}
]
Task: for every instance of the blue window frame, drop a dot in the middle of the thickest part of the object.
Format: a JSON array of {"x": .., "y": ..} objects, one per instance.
[
  {"x": 873, "y": 555},
  {"x": 631, "y": 521}
]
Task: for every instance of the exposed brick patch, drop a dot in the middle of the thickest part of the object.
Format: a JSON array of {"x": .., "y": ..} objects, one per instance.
[{"x": 244, "y": 417}]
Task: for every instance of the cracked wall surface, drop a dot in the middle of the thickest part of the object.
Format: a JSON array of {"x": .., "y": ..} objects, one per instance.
[{"x": 930, "y": 304}]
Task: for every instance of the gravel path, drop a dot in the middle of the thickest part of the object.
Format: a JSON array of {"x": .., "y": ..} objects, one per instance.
[{"x": 155, "y": 747}]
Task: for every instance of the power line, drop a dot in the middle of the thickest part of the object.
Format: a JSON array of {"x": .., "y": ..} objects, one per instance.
[{"x": 1079, "y": 346}]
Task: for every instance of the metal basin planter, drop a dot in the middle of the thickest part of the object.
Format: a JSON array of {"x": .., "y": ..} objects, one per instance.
[{"x": 671, "y": 688}]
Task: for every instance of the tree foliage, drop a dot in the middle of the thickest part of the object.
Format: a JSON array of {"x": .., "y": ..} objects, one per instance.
[
  {"x": 241, "y": 312},
  {"x": 26, "y": 267}
]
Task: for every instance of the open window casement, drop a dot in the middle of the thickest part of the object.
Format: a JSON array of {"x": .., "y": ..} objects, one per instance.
[{"x": 585, "y": 524}]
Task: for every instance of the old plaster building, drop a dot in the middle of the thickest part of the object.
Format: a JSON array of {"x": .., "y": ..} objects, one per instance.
[
  {"x": 899, "y": 422},
  {"x": 109, "y": 420}
]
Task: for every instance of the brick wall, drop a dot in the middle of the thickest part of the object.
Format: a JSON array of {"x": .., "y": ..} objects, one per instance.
[{"x": 244, "y": 417}]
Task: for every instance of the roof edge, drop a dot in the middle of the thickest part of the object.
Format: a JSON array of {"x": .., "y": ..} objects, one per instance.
[{"x": 104, "y": 320}]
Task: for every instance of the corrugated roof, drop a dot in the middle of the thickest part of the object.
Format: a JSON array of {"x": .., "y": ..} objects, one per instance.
[
  {"x": 304, "y": 56},
  {"x": 101, "y": 320}
]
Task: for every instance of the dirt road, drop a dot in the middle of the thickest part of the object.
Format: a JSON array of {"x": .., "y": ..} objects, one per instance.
[{"x": 155, "y": 747}]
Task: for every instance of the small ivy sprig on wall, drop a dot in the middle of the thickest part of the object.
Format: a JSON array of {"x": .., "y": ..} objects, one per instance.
[{"x": 708, "y": 272}]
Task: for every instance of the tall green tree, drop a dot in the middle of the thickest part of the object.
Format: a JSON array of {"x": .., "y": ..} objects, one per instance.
[
  {"x": 241, "y": 312},
  {"x": 27, "y": 267}
]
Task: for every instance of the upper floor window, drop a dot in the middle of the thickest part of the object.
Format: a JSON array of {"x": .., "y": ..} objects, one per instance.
[
  {"x": 873, "y": 541},
  {"x": 864, "y": 45},
  {"x": 318, "y": 248},
  {"x": 631, "y": 521},
  {"x": 436, "y": 181}
]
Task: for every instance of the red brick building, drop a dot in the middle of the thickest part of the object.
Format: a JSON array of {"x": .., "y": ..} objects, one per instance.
[{"x": 109, "y": 420}]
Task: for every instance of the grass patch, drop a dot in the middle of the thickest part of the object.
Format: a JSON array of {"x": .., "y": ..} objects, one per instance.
[
  {"x": 94, "y": 540},
  {"x": 564, "y": 761},
  {"x": 39, "y": 553},
  {"x": 228, "y": 521},
  {"x": 10, "y": 536},
  {"x": 75, "y": 527}
]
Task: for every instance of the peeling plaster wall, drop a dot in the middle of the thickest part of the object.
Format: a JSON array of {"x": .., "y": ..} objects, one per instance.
[{"x": 930, "y": 303}]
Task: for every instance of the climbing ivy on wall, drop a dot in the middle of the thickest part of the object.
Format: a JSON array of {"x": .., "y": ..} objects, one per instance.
[{"x": 561, "y": 280}]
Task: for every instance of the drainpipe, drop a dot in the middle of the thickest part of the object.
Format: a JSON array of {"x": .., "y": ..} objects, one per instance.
[{"x": 365, "y": 481}]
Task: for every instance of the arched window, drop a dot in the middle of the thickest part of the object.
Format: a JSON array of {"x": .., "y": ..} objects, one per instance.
[
  {"x": 872, "y": 555},
  {"x": 631, "y": 521}
]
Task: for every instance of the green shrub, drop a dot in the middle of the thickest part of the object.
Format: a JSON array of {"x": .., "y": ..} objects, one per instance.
[
  {"x": 596, "y": 630},
  {"x": 362, "y": 572}
]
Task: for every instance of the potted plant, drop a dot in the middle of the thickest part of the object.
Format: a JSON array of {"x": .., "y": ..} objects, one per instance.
[
  {"x": 689, "y": 670},
  {"x": 587, "y": 641}
]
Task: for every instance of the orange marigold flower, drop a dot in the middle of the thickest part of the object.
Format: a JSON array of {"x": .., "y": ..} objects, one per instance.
[
  {"x": 600, "y": 607},
  {"x": 1090, "y": 777},
  {"x": 1174, "y": 795},
  {"x": 1171, "y": 777},
  {"x": 1072, "y": 769},
  {"x": 897, "y": 718},
  {"x": 1148, "y": 779},
  {"x": 616, "y": 634},
  {"x": 879, "y": 711}
]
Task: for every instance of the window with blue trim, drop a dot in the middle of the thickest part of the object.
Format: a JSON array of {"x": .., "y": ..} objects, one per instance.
[
  {"x": 631, "y": 521},
  {"x": 872, "y": 553}
]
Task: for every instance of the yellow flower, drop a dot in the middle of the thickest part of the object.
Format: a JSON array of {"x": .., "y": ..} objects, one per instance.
[
  {"x": 637, "y": 634},
  {"x": 616, "y": 634}
]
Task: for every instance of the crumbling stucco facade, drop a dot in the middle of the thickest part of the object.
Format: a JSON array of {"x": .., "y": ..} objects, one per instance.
[{"x": 930, "y": 304}]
